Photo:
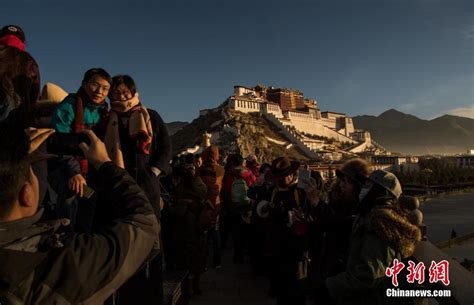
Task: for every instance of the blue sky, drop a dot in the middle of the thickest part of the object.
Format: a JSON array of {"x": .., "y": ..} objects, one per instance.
[{"x": 357, "y": 57}]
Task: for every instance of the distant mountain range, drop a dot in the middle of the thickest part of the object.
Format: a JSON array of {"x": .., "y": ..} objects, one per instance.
[{"x": 404, "y": 133}]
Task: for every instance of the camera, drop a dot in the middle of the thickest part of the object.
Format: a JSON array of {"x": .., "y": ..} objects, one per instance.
[{"x": 66, "y": 144}]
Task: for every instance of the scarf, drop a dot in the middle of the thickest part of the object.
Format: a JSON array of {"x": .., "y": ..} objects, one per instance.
[
  {"x": 139, "y": 128},
  {"x": 12, "y": 41},
  {"x": 78, "y": 125}
]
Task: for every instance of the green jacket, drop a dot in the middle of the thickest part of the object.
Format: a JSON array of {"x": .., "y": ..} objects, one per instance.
[
  {"x": 65, "y": 112},
  {"x": 377, "y": 239}
]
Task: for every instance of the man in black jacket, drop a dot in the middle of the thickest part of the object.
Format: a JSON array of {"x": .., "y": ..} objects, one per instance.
[{"x": 41, "y": 265}]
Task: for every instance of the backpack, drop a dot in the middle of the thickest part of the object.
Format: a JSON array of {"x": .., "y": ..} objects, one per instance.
[{"x": 239, "y": 200}]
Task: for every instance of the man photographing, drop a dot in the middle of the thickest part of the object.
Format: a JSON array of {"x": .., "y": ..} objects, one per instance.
[{"x": 41, "y": 265}]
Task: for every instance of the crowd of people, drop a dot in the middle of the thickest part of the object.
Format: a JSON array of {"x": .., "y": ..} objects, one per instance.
[{"x": 96, "y": 223}]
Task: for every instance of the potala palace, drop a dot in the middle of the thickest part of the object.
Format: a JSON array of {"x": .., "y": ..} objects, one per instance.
[{"x": 301, "y": 120}]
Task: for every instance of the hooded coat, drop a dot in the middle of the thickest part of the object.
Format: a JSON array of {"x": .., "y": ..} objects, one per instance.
[{"x": 378, "y": 238}]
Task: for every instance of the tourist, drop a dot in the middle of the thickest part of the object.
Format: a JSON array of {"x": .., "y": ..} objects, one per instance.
[
  {"x": 332, "y": 227},
  {"x": 212, "y": 174},
  {"x": 240, "y": 210},
  {"x": 380, "y": 234},
  {"x": 137, "y": 140},
  {"x": 189, "y": 250},
  {"x": 259, "y": 194},
  {"x": 40, "y": 262},
  {"x": 20, "y": 86},
  {"x": 86, "y": 109},
  {"x": 233, "y": 169},
  {"x": 252, "y": 165},
  {"x": 289, "y": 222}
]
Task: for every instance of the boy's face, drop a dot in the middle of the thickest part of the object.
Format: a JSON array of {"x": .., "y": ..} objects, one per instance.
[{"x": 97, "y": 89}]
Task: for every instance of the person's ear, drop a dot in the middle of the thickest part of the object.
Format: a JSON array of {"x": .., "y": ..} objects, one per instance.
[{"x": 26, "y": 196}]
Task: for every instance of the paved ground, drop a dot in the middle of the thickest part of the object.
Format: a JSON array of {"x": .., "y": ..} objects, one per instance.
[
  {"x": 233, "y": 284},
  {"x": 447, "y": 212}
]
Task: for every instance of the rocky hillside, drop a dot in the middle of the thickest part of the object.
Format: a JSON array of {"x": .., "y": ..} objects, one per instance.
[
  {"x": 236, "y": 132},
  {"x": 173, "y": 127},
  {"x": 404, "y": 133}
]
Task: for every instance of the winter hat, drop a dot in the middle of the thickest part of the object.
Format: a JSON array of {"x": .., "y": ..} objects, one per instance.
[
  {"x": 358, "y": 170},
  {"x": 12, "y": 36},
  {"x": 13, "y": 30},
  {"x": 388, "y": 181}
]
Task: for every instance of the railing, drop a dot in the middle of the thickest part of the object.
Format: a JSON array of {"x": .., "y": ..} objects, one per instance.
[{"x": 454, "y": 241}]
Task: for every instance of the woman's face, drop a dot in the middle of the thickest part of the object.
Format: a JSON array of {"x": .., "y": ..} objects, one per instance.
[{"x": 121, "y": 93}]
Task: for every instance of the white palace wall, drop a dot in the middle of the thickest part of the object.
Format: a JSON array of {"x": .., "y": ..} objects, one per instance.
[
  {"x": 273, "y": 109},
  {"x": 245, "y": 105},
  {"x": 309, "y": 124}
]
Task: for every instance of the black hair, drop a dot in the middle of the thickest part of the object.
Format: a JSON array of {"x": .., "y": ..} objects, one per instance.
[
  {"x": 233, "y": 160},
  {"x": 189, "y": 159},
  {"x": 96, "y": 71},
  {"x": 127, "y": 80},
  {"x": 264, "y": 167},
  {"x": 14, "y": 165},
  {"x": 13, "y": 30},
  {"x": 182, "y": 159},
  {"x": 183, "y": 174}
]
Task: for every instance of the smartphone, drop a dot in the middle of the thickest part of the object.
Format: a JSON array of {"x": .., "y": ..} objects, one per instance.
[
  {"x": 66, "y": 144},
  {"x": 87, "y": 192},
  {"x": 303, "y": 178}
]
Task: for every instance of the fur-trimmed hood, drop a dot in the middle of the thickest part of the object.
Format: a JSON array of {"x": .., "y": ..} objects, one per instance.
[{"x": 390, "y": 225}]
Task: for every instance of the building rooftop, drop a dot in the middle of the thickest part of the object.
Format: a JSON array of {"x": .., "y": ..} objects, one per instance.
[
  {"x": 333, "y": 112},
  {"x": 239, "y": 86}
]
